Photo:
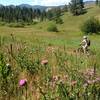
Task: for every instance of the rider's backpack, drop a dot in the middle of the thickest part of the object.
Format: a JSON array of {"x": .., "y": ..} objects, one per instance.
[{"x": 88, "y": 42}]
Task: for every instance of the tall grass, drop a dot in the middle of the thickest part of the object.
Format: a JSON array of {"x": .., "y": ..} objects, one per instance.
[{"x": 52, "y": 72}]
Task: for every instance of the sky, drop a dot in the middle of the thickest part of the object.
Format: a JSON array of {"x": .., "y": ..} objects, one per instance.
[{"x": 36, "y": 2}]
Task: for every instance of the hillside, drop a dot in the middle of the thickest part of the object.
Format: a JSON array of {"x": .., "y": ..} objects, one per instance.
[
  {"x": 42, "y": 8},
  {"x": 67, "y": 31},
  {"x": 72, "y": 23}
]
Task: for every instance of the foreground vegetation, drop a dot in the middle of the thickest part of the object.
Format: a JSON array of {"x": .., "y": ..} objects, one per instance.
[{"x": 50, "y": 72}]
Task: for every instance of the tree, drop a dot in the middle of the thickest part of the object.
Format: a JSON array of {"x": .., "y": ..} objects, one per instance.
[
  {"x": 81, "y": 3},
  {"x": 54, "y": 13},
  {"x": 49, "y": 14},
  {"x": 43, "y": 16},
  {"x": 57, "y": 12},
  {"x": 58, "y": 20},
  {"x": 97, "y": 2},
  {"x": 65, "y": 8},
  {"x": 76, "y": 7}
]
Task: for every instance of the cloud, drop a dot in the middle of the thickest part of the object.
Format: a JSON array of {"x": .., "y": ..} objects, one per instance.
[
  {"x": 37, "y": 2},
  {"x": 53, "y": 2}
]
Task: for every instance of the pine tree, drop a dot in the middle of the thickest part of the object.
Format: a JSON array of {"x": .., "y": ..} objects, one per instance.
[
  {"x": 97, "y": 2},
  {"x": 43, "y": 16},
  {"x": 81, "y": 3},
  {"x": 65, "y": 8},
  {"x": 76, "y": 7},
  {"x": 22, "y": 14},
  {"x": 49, "y": 15}
]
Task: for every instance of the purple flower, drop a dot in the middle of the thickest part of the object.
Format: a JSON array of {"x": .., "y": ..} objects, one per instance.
[
  {"x": 44, "y": 62},
  {"x": 85, "y": 85},
  {"x": 98, "y": 79},
  {"x": 54, "y": 78},
  {"x": 22, "y": 82},
  {"x": 73, "y": 82}
]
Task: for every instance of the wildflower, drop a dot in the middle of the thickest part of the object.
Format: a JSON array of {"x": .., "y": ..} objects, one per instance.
[
  {"x": 90, "y": 82},
  {"x": 65, "y": 77},
  {"x": 53, "y": 84},
  {"x": 55, "y": 78},
  {"x": 50, "y": 49},
  {"x": 90, "y": 72},
  {"x": 97, "y": 79},
  {"x": 85, "y": 85},
  {"x": 61, "y": 81},
  {"x": 73, "y": 83},
  {"x": 44, "y": 62},
  {"x": 22, "y": 82},
  {"x": 7, "y": 64}
]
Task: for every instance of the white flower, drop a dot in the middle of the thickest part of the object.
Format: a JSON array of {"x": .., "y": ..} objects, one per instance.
[{"x": 7, "y": 64}]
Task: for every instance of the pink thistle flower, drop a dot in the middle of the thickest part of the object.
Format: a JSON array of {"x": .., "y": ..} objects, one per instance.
[
  {"x": 44, "y": 62},
  {"x": 65, "y": 77},
  {"x": 98, "y": 79},
  {"x": 73, "y": 83},
  {"x": 55, "y": 78},
  {"x": 90, "y": 72},
  {"x": 89, "y": 81},
  {"x": 22, "y": 82},
  {"x": 85, "y": 85},
  {"x": 50, "y": 49}
]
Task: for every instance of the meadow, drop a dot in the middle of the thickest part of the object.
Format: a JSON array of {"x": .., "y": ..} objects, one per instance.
[{"x": 39, "y": 65}]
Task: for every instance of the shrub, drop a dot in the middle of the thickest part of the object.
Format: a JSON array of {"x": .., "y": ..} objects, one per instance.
[
  {"x": 2, "y": 23},
  {"x": 17, "y": 25},
  {"x": 52, "y": 28},
  {"x": 91, "y": 26},
  {"x": 34, "y": 22}
]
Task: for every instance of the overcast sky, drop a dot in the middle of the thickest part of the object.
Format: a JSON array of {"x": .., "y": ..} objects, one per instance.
[{"x": 36, "y": 2}]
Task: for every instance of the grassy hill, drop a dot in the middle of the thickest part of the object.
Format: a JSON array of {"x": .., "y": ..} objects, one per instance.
[
  {"x": 69, "y": 32},
  {"x": 72, "y": 23}
]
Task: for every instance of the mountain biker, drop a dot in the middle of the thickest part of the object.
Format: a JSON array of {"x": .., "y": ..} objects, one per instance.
[{"x": 85, "y": 43}]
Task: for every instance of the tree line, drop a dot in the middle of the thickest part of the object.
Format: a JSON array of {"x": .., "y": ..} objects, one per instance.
[
  {"x": 24, "y": 14},
  {"x": 77, "y": 7},
  {"x": 18, "y": 14}
]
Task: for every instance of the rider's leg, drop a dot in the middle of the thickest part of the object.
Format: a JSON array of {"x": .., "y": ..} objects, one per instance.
[{"x": 84, "y": 49}]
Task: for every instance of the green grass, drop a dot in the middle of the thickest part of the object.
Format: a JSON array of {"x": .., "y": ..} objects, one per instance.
[{"x": 68, "y": 30}]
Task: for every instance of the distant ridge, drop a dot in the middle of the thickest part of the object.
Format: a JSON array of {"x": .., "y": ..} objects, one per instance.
[
  {"x": 38, "y": 6},
  {"x": 35, "y": 6},
  {"x": 89, "y": 2},
  {"x": 45, "y": 7}
]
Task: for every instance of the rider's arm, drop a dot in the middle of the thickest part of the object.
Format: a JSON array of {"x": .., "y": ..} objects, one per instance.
[{"x": 82, "y": 42}]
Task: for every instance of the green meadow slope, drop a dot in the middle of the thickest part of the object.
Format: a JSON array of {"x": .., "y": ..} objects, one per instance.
[
  {"x": 71, "y": 23},
  {"x": 69, "y": 32}
]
